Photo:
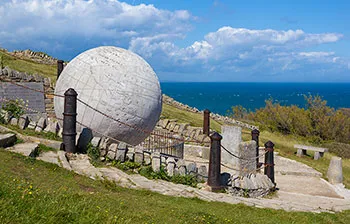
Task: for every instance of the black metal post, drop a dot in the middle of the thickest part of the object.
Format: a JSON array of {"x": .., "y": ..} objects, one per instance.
[
  {"x": 255, "y": 137},
  {"x": 206, "y": 122},
  {"x": 60, "y": 67},
  {"x": 215, "y": 162},
  {"x": 69, "y": 120},
  {"x": 269, "y": 163}
]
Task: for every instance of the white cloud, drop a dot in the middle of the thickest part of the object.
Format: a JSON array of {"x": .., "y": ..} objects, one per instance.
[
  {"x": 243, "y": 51},
  {"x": 81, "y": 24}
]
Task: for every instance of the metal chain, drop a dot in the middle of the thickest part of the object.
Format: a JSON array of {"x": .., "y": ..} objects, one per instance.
[
  {"x": 241, "y": 158},
  {"x": 36, "y": 90}
]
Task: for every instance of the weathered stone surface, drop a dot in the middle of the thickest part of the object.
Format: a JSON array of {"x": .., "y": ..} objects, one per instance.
[
  {"x": 192, "y": 168},
  {"x": 138, "y": 155},
  {"x": 84, "y": 139},
  {"x": 155, "y": 161},
  {"x": 170, "y": 166},
  {"x": 23, "y": 122},
  {"x": 202, "y": 173},
  {"x": 163, "y": 123},
  {"x": 147, "y": 159},
  {"x": 335, "y": 171},
  {"x": 95, "y": 141},
  {"x": 63, "y": 160},
  {"x": 32, "y": 125},
  {"x": 112, "y": 150},
  {"x": 231, "y": 137},
  {"x": 26, "y": 149},
  {"x": 181, "y": 167},
  {"x": 7, "y": 140},
  {"x": 41, "y": 125},
  {"x": 52, "y": 126},
  {"x": 5, "y": 115},
  {"x": 130, "y": 154},
  {"x": 124, "y": 86},
  {"x": 14, "y": 121},
  {"x": 247, "y": 151},
  {"x": 121, "y": 152}
]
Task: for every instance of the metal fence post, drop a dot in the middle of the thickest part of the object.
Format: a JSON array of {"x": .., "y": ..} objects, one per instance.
[
  {"x": 215, "y": 162},
  {"x": 269, "y": 163},
  {"x": 255, "y": 137},
  {"x": 69, "y": 120},
  {"x": 206, "y": 122},
  {"x": 60, "y": 67}
]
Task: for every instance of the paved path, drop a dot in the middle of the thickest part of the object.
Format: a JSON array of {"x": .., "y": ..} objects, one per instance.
[{"x": 297, "y": 193}]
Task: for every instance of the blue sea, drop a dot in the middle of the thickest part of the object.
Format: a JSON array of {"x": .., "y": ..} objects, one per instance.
[{"x": 219, "y": 97}]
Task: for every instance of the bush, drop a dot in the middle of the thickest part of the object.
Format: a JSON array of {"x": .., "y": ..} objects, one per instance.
[
  {"x": 93, "y": 152},
  {"x": 14, "y": 107},
  {"x": 340, "y": 149},
  {"x": 318, "y": 122}
]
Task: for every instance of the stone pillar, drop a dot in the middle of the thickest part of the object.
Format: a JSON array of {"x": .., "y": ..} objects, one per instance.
[
  {"x": 69, "y": 120},
  {"x": 269, "y": 161},
  {"x": 206, "y": 122},
  {"x": 121, "y": 152},
  {"x": 246, "y": 165},
  {"x": 232, "y": 137},
  {"x": 60, "y": 67},
  {"x": 335, "y": 171},
  {"x": 255, "y": 137},
  {"x": 215, "y": 162},
  {"x": 138, "y": 155},
  {"x": 170, "y": 166},
  {"x": 156, "y": 161}
]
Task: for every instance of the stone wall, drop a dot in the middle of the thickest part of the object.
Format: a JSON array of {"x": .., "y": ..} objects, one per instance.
[
  {"x": 191, "y": 134},
  {"x": 223, "y": 119},
  {"x": 10, "y": 75},
  {"x": 38, "y": 57}
]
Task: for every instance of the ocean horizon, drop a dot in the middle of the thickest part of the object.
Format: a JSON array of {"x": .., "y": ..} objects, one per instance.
[{"x": 219, "y": 97}]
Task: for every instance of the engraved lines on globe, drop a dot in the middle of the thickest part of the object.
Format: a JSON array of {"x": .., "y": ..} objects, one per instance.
[{"x": 120, "y": 84}]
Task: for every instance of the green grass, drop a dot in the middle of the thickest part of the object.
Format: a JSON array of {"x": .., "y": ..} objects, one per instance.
[
  {"x": 37, "y": 192},
  {"x": 30, "y": 132},
  {"x": 194, "y": 119},
  {"x": 29, "y": 66}
]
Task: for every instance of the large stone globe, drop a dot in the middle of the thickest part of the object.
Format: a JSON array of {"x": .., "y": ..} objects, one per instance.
[{"x": 118, "y": 83}]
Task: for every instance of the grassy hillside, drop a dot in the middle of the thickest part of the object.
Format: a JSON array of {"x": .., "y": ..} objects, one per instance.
[
  {"x": 28, "y": 66},
  {"x": 37, "y": 192},
  {"x": 183, "y": 116}
]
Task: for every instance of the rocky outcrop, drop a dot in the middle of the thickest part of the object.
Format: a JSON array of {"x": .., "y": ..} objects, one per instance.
[{"x": 38, "y": 57}]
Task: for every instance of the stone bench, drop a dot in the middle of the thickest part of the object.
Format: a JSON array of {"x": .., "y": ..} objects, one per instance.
[{"x": 303, "y": 148}]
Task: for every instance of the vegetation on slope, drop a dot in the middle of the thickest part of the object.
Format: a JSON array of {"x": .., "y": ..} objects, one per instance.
[
  {"x": 37, "y": 192},
  {"x": 183, "y": 116},
  {"x": 26, "y": 65}
]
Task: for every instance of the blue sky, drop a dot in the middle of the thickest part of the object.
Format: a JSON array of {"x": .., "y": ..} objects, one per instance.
[{"x": 216, "y": 40}]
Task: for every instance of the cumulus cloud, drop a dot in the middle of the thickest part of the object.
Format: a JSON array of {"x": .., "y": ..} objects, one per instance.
[
  {"x": 247, "y": 51},
  {"x": 75, "y": 25}
]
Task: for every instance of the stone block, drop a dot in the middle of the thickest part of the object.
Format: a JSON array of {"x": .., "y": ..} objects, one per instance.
[
  {"x": 176, "y": 128},
  {"x": 335, "y": 171},
  {"x": 170, "y": 166},
  {"x": 112, "y": 151},
  {"x": 14, "y": 121},
  {"x": 147, "y": 160},
  {"x": 52, "y": 126},
  {"x": 121, "y": 152},
  {"x": 163, "y": 123},
  {"x": 191, "y": 169},
  {"x": 23, "y": 122},
  {"x": 95, "y": 141},
  {"x": 231, "y": 138},
  {"x": 202, "y": 173},
  {"x": 138, "y": 155},
  {"x": 41, "y": 125},
  {"x": 84, "y": 139},
  {"x": 181, "y": 167},
  {"x": 155, "y": 161},
  {"x": 201, "y": 137},
  {"x": 7, "y": 140},
  {"x": 247, "y": 151},
  {"x": 32, "y": 125},
  {"x": 182, "y": 127}
]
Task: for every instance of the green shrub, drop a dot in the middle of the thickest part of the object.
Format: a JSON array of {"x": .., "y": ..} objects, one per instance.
[
  {"x": 14, "y": 107},
  {"x": 94, "y": 153},
  {"x": 340, "y": 149}
]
